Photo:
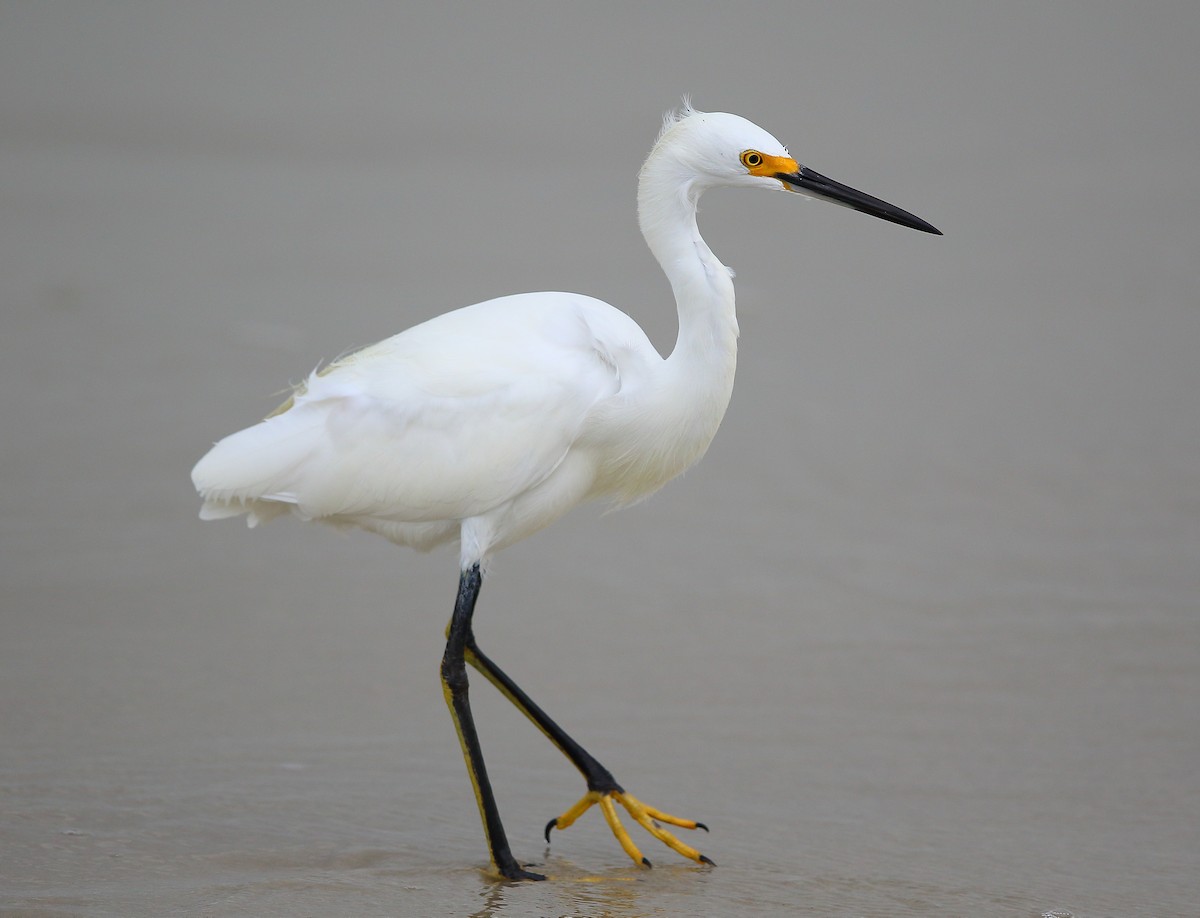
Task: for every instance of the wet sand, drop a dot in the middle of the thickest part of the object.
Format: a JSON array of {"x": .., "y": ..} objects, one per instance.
[{"x": 920, "y": 635}]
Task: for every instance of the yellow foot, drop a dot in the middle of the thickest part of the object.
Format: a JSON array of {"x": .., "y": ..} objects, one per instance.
[{"x": 646, "y": 816}]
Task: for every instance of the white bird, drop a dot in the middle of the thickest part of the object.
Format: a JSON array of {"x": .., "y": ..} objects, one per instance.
[{"x": 490, "y": 422}]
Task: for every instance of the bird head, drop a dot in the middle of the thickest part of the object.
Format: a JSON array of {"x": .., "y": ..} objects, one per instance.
[{"x": 717, "y": 148}]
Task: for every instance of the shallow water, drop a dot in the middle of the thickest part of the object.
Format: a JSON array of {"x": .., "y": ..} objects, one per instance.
[{"x": 919, "y": 636}]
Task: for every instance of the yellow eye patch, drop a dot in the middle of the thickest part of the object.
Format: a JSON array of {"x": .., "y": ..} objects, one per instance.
[{"x": 766, "y": 165}]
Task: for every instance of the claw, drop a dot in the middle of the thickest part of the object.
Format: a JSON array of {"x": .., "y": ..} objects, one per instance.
[
  {"x": 645, "y": 816},
  {"x": 610, "y": 816},
  {"x": 514, "y": 871}
]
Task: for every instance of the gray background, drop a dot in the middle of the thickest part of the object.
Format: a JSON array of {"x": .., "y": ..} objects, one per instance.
[{"x": 918, "y": 637}]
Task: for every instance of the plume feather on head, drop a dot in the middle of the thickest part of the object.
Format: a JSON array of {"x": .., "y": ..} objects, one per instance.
[{"x": 673, "y": 116}]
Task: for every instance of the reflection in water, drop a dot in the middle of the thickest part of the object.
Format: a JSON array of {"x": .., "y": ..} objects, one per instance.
[{"x": 571, "y": 892}]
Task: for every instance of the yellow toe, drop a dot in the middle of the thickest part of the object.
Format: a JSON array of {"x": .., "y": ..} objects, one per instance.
[{"x": 647, "y": 817}]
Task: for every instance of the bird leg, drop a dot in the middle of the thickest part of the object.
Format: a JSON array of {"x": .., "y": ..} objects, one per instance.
[
  {"x": 454, "y": 686},
  {"x": 602, "y": 788}
]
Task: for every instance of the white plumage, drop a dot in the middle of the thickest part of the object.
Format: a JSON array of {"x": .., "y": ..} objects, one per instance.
[
  {"x": 486, "y": 413},
  {"x": 490, "y": 422}
]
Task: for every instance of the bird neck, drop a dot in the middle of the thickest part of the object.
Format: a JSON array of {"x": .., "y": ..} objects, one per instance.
[
  {"x": 706, "y": 348},
  {"x": 665, "y": 421}
]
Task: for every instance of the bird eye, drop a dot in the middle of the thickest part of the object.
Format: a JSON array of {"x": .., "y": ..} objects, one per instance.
[{"x": 751, "y": 159}]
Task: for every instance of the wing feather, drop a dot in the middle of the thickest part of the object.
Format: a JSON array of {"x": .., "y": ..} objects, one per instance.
[{"x": 445, "y": 421}]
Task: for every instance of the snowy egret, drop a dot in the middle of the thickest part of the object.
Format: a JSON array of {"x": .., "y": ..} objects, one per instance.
[{"x": 490, "y": 422}]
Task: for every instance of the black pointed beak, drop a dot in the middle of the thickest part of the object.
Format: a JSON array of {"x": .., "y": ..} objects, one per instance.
[{"x": 808, "y": 182}]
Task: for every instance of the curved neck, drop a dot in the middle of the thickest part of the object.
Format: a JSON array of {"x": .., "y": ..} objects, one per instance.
[
  {"x": 665, "y": 422},
  {"x": 703, "y": 288}
]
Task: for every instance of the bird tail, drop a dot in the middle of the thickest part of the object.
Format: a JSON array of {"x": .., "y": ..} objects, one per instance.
[{"x": 255, "y": 471}]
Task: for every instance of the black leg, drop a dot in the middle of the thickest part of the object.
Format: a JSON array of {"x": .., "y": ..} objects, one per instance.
[
  {"x": 603, "y": 789},
  {"x": 598, "y": 777},
  {"x": 454, "y": 685}
]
